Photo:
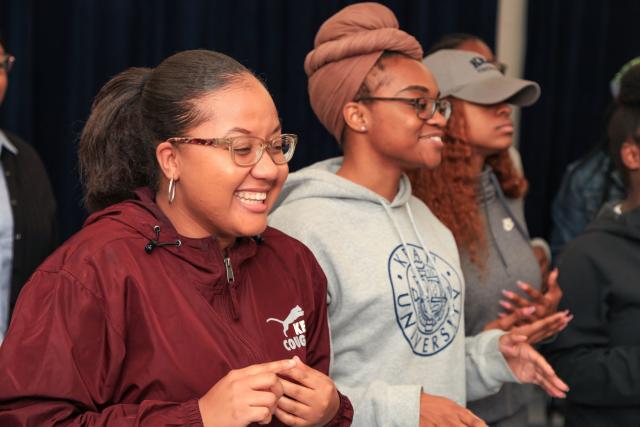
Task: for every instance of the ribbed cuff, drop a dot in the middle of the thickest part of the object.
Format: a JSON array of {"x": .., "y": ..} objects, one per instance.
[
  {"x": 191, "y": 413},
  {"x": 344, "y": 415}
]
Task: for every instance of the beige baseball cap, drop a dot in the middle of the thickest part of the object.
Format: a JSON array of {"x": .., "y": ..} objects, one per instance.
[{"x": 468, "y": 76}]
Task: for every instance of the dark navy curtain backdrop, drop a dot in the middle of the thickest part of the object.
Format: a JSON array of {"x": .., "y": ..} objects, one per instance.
[
  {"x": 66, "y": 50},
  {"x": 574, "y": 49}
]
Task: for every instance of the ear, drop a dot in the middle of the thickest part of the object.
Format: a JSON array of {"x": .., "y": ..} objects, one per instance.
[
  {"x": 169, "y": 160},
  {"x": 630, "y": 155},
  {"x": 356, "y": 116}
]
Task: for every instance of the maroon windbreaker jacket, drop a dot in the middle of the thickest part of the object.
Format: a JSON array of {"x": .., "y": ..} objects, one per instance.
[{"x": 122, "y": 326}]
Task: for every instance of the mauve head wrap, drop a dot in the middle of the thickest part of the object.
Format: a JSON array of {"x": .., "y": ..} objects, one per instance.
[{"x": 347, "y": 46}]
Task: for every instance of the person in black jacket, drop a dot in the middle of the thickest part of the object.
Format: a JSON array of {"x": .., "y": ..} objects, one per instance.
[
  {"x": 598, "y": 354},
  {"x": 28, "y": 231}
]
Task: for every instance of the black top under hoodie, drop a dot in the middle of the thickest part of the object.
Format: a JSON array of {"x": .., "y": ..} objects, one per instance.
[{"x": 598, "y": 354}]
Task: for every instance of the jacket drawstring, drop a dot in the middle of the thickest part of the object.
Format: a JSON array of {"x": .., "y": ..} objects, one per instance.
[{"x": 156, "y": 243}]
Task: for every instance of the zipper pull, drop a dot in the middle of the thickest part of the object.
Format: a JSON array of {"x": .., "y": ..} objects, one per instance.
[
  {"x": 227, "y": 265},
  {"x": 235, "y": 314}
]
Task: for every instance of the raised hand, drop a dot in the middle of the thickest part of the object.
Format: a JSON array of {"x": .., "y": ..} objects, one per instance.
[
  {"x": 545, "y": 302},
  {"x": 436, "y": 411},
  {"x": 314, "y": 401},
  {"x": 536, "y": 330},
  {"x": 244, "y": 395},
  {"x": 529, "y": 366},
  {"x": 544, "y": 328}
]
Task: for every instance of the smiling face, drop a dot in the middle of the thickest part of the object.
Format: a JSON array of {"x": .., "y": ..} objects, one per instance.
[
  {"x": 215, "y": 196},
  {"x": 395, "y": 132},
  {"x": 488, "y": 128}
]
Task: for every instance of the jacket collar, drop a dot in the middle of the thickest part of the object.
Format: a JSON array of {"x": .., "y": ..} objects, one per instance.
[
  {"x": 143, "y": 214},
  {"x": 5, "y": 144}
]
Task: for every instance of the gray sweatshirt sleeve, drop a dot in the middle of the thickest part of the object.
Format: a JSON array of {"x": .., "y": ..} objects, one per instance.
[
  {"x": 486, "y": 368},
  {"x": 379, "y": 404}
]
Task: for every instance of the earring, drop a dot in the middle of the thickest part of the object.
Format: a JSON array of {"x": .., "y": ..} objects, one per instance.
[{"x": 172, "y": 190}]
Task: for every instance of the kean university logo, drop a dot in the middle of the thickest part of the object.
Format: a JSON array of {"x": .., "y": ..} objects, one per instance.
[{"x": 428, "y": 301}]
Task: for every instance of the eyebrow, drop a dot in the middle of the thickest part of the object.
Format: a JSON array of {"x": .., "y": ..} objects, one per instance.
[
  {"x": 417, "y": 88},
  {"x": 248, "y": 132}
]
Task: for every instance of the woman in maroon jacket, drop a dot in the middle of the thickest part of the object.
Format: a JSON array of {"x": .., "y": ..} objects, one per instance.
[{"x": 176, "y": 304}]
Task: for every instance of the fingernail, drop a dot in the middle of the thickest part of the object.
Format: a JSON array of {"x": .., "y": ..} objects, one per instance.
[
  {"x": 505, "y": 304},
  {"x": 296, "y": 359},
  {"x": 523, "y": 285},
  {"x": 507, "y": 293},
  {"x": 529, "y": 310}
]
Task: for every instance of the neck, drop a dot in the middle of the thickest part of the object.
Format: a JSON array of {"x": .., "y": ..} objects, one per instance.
[
  {"x": 477, "y": 161},
  {"x": 633, "y": 198},
  {"x": 184, "y": 222},
  {"x": 371, "y": 170}
]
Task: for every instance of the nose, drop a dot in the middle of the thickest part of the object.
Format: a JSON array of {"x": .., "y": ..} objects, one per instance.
[
  {"x": 265, "y": 168},
  {"x": 504, "y": 109},
  {"x": 437, "y": 120}
]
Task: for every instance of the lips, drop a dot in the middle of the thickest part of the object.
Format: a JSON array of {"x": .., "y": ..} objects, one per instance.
[
  {"x": 251, "y": 196},
  {"x": 434, "y": 138}
]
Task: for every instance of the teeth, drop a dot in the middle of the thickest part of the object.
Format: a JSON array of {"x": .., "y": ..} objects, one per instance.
[
  {"x": 251, "y": 197},
  {"x": 436, "y": 138}
]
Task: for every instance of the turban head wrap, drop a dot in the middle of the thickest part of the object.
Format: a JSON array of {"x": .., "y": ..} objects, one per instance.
[{"x": 346, "y": 47}]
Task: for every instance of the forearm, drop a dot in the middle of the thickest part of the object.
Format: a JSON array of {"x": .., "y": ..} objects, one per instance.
[{"x": 486, "y": 368}]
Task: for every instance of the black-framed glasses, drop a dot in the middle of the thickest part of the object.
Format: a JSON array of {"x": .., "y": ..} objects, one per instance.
[
  {"x": 248, "y": 150},
  {"x": 6, "y": 62},
  {"x": 425, "y": 107}
]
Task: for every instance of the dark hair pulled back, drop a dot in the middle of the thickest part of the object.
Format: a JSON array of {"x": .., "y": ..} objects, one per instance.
[{"x": 139, "y": 108}]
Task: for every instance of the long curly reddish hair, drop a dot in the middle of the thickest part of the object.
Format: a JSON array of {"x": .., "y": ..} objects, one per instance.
[{"x": 450, "y": 189}]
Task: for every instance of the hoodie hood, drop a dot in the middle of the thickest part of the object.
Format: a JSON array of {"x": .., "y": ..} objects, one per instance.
[
  {"x": 625, "y": 225},
  {"x": 320, "y": 180}
]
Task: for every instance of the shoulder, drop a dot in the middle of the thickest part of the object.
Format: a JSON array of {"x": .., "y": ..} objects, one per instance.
[
  {"x": 583, "y": 252},
  {"x": 104, "y": 245},
  {"x": 275, "y": 237},
  {"x": 283, "y": 243},
  {"x": 26, "y": 152},
  {"x": 306, "y": 218},
  {"x": 423, "y": 215}
]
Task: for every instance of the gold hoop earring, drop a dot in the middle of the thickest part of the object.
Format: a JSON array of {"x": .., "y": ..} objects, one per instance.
[{"x": 172, "y": 190}]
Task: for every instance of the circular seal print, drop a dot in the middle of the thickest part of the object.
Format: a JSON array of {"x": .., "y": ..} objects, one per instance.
[{"x": 427, "y": 295}]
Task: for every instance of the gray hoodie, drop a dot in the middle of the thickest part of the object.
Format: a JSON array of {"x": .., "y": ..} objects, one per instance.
[{"x": 396, "y": 297}]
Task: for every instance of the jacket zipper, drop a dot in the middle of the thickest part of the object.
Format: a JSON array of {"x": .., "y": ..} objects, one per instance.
[
  {"x": 229, "y": 268},
  {"x": 234, "y": 301},
  {"x": 232, "y": 291}
]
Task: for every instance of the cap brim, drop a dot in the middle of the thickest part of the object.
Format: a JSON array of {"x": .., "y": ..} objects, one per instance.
[{"x": 497, "y": 89}]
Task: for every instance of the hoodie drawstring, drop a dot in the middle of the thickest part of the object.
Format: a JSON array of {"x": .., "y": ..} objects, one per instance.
[
  {"x": 505, "y": 206},
  {"x": 414, "y": 270}
]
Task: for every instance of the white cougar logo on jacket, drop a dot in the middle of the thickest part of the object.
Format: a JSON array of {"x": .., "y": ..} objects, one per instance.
[{"x": 298, "y": 327}]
